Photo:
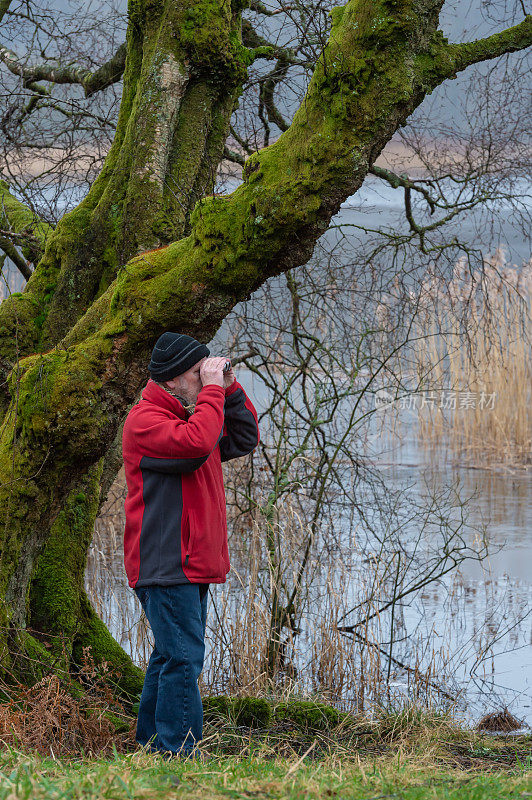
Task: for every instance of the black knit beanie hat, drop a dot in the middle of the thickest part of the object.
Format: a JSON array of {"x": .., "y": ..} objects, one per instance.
[{"x": 173, "y": 354}]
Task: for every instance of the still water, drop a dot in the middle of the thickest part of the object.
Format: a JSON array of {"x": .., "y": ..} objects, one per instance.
[
  {"x": 479, "y": 615},
  {"x": 489, "y": 601}
]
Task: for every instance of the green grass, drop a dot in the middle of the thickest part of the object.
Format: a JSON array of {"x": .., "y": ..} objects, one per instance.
[
  {"x": 407, "y": 755},
  {"x": 266, "y": 749},
  {"x": 142, "y": 776}
]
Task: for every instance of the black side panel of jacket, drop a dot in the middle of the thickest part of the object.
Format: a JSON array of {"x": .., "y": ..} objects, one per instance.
[
  {"x": 242, "y": 431},
  {"x": 160, "y": 535},
  {"x": 172, "y": 464}
]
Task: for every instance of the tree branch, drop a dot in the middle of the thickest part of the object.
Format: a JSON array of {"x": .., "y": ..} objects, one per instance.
[
  {"x": 21, "y": 224},
  {"x": 262, "y": 48},
  {"x": 236, "y": 158},
  {"x": 11, "y": 252},
  {"x": 260, "y": 8},
  {"x": 267, "y": 92},
  {"x": 402, "y": 180},
  {"x": 244, "y": 144},
  {"x": 508, "y": 41},
  {"x": 92, "y": 82},
  {"x": 291, "y": 189}
]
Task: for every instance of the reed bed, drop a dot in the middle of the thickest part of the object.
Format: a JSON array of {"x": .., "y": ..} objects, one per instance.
[
  {"x": 317, "y": 660},
  {"x": 474, "y": 360}
]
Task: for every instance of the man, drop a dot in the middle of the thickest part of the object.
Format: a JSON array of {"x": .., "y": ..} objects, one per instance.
[{"x": 190, "y": 418}]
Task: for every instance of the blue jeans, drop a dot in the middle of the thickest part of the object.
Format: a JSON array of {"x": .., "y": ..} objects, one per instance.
[{"x": 170, "y": 711}]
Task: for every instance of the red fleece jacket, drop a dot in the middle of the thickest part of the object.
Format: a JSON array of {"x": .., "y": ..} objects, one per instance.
[{"x": 176, "y": 528}]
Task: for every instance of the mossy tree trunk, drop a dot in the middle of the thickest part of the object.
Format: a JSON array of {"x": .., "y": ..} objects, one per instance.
[{"x": 148, "y": 250}]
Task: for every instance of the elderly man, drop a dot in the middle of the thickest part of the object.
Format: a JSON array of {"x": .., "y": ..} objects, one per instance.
[{"x": 191, "y": 416}]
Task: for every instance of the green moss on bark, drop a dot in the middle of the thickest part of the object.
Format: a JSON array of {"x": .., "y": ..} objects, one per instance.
[
  {"x": 57, "y": 404},
  {"x": 57, "y": 581},
  {"x": 58, "y": 605},
  {"x": 94, "y": 634},
  {"x": 17, "y": 217},
  {"x": 29, "y": 659},
  {"x": 209, "y": 34}
]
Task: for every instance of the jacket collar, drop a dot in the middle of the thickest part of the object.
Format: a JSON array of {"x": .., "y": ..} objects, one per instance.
[{"x": 154, "y": 394}]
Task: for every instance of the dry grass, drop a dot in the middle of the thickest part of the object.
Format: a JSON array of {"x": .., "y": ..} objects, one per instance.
[
  {"x": 475, "y": 344},
  {"x": 286, "y": 766},
  {"x": 47, "y": 720},
  {"x": 61, "y": 717},
  {"x": 319, "y": 661}
]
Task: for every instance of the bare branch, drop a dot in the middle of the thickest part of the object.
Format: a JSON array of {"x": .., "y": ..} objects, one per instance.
[
  {"x": 109, "y": 73},
  {"x": 402, "y": 180},
  {"x": 11, "y": 252},
  {"x": 244, "y": 144},
  {"x": 23, "y": 238},
  {"x": 268, "y": 86}
]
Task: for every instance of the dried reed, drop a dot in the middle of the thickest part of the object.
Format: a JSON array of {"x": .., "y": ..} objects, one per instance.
[
  {"x": 318, "y": 661},
  {"x": 474, "y": 350}
]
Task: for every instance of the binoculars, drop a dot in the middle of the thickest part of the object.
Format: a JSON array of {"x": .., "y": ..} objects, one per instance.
[{"x": 227, "y": 366}]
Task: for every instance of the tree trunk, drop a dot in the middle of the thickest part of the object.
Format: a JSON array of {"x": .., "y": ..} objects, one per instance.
[
  {"x": 171, "y": 132},
  {"x": 140, "y": 256}
]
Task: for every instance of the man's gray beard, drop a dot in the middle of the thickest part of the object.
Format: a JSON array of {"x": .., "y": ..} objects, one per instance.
[{"x": 184, "y": 402}]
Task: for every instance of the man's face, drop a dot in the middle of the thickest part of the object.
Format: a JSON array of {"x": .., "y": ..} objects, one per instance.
[{"x": 188, "y": 384}]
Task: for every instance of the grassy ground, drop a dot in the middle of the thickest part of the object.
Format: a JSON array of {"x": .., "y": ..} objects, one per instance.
[
  {"x": 139, "y": 776},
  {"x": 407, "y": 756}
]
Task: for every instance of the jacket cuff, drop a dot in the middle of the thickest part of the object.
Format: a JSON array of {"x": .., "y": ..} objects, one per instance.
[
  {"x": 234, "y": 386},
  {"x": 211, "y": 386}
]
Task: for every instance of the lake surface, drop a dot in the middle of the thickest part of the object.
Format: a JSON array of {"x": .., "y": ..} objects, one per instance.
[
  {"x": 478, "y": 603},
  {"x": 488, "y": 600}
]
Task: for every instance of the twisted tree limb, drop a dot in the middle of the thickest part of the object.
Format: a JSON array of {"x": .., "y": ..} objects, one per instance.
[
  {"x": 109, "y": 73},
  {"x": 508, "y": 41},
  {"x": 19, "y": 225}
]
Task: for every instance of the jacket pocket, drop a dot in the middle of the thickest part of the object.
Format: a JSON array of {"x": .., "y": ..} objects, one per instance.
[
  {"x": 203, "y": 552},
  {"x": 189, "y": 529}
]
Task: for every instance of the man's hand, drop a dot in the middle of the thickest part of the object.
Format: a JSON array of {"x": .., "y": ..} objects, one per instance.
[{"x": 211, "y": 371}]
